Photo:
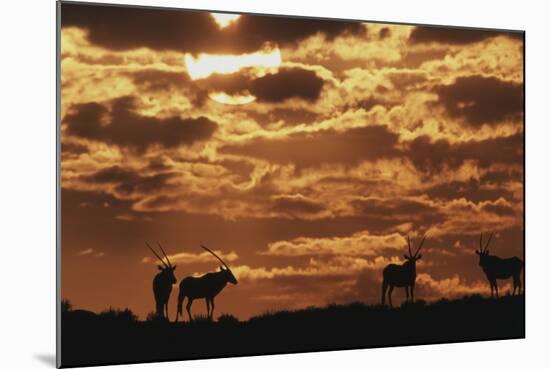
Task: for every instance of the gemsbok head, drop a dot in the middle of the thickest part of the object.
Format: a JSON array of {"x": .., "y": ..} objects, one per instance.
[
  {"x": 162, "y": 283},
  {"x": 498, "y": 268},
  {"x": 206, "y": 287},
  {"x": 403, "y": 275}
]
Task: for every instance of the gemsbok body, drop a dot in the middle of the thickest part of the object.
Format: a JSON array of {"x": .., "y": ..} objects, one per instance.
[
  {"x": 162, "y": 283},
  {"x": 403, "y": 275},
  {"x": 205, "y": 287},
  {"x": 497, "y": 268}
]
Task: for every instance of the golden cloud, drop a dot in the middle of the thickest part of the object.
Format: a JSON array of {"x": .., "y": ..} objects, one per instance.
[{"x": 361, "y": 243}]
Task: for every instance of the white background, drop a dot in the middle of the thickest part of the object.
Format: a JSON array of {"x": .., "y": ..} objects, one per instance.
[{"x": 27, "y": 180}]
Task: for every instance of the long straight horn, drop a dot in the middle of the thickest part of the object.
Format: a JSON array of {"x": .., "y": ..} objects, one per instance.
[
  {"x": 481, "y": 242},
  {"x": 409, "y": 245},
  {"x": 166, "y": 256},
  {"x": 420, "y": 246},
  {"x": 157, "y": 255},
  {"x": 216, "y": 256},
  {"x": 487, "y": 244}
]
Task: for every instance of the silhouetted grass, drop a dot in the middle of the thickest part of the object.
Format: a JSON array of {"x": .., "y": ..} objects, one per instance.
[
  {"x": 66, "y": 306},
  {"x": 117, "y": 337},
  {"x": 117, "y": 316},
  {"x": 228, "y": 319}
]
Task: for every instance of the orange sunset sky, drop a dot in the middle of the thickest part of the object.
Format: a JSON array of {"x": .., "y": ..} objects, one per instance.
[{"x": 302, "y": 150}]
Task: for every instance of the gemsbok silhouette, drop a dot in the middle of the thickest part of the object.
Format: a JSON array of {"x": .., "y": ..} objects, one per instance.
[
  {"x": 498, "y": 268},
  {"x": 162, "y": 283},
  {"x": 403, "y": 275},
  {"x": 206, "y": 287}
]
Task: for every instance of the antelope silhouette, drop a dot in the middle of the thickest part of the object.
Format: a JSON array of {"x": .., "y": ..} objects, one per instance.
[
  {"x": 205, "y": 287},
  {"x": 162, "y": 283},
  {"x": 498, "y": 268},
  {"x": 403, "y": 275}
]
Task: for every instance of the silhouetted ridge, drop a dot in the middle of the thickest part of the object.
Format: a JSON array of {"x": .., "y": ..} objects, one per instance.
[{"x": 333, "y": 327}]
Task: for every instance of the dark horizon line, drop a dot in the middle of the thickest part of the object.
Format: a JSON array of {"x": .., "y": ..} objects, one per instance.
[{"x": 329, "y": 305}]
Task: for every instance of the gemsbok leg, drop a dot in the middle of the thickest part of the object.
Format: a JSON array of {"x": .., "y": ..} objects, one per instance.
[
  {"x": 517, "y": 284},
  {"x": 412, "y": 292},
  {"x": 384, "y": 291},
  {"x": 188, "y": 308},
  {"x": 406, "y": 293},
  {"x": 211, "y": 308},
  {"x": 389, "y": 295}
]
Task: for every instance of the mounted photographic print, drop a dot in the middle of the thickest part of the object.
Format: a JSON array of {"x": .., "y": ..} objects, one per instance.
[{"x": 239, "y": 184}]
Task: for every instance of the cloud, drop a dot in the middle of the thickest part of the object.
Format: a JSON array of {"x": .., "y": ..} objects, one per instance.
[
  {"x": 73, "y": 149},
  {"x": 121, "y": 125},
  {"x": 91, "y": 252},
  {"x": 472, "y": 190},
  {"x": 113, "y": 174},
  {"x": 287, "y": 116},
  {"x": 296, "y": 205},
  {"x": 327, "y": 146},
  {"x": 288, "y": 83},
  {"x": 315, "y": 268},
  {"x": 431, "y": 156},
  {"x": 276, "y": 87},
  {"x": 398, "y": 209},
  {"x": 450, "y": 287},
  {"x": 361, "y": 243},
  {"x": 86, "y": 252},
  {"x": 193, "y": 258},
  {"x": 384, "y": 33},
  {"x": 128, "y": 182},
  {"x": 499, "y": 176},
  {"x": 499, "y": 207},
  {"x": 168, "y": 89},
  {"x": 254, "y": 31},
  {"x": 457, "y": 217},
  {"x": 482, "y": 100},
  {"x": 155, "y": 80},
  {"x": 125, "y": 28},
  {"x": 455, "y": 36},
  {"x": 125, "y": 217}
]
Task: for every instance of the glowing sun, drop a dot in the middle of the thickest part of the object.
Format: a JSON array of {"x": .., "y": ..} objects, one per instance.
[
  {"x": 260, "y": 63},
  {"x": 205, "y": 65},
  {"x": 224, "y": 98},
  {"x": 223, "y": 19}
]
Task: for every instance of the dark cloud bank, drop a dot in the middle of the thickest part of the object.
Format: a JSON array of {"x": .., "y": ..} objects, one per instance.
[
  {"x": 456, "y": 36},
  {"x": 124, "y": 28},
  {"x": 272, "y": 88},
  {"x": 119, "y": 124}
]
